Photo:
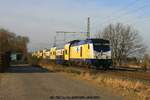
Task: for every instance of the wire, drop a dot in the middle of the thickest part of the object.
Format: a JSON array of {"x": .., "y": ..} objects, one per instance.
[
  {"x": 124, "y": 8},
  {"x": 131, "y": 12},
  {"x": 144, "y": 20}
]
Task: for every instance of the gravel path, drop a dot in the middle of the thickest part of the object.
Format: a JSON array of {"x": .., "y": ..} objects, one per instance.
[{"x": 32, "y": 83}]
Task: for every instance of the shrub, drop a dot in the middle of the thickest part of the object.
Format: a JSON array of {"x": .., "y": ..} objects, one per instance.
[{"x": 33, "y": 60}]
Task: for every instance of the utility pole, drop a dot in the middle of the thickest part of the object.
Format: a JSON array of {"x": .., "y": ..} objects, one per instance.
[
  {"x": 64, "y": 38},
  {"x": 88, "y": 28},
  {"x": 54, "y": 42}
]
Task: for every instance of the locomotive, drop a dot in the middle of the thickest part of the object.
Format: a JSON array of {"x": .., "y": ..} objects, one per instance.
[{"x": 90, "y": 52}]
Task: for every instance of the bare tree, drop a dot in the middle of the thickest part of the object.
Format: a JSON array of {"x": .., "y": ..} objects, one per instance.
[
  {"x": 21, "y": 43},
  {"x": 11, "y": 42},
  {"x": 4, "y": 40},
  {"x": 125, "y": 42}
]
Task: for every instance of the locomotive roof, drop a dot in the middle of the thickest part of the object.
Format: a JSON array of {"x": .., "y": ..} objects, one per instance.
[
  {"x": 99, "y": 40},
  {"x": 94, "y": 40},
  {"x": 74, "y": 41}
]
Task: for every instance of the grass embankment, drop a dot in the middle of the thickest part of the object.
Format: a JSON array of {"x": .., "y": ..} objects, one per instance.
[{"x": 123, "y": 85}]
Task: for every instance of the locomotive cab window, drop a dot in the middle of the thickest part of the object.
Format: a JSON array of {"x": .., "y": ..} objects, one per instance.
[{"x": 101, "y": 47}]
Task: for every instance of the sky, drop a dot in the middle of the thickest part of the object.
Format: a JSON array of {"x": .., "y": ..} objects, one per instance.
[{"x": 40, "y": 19}]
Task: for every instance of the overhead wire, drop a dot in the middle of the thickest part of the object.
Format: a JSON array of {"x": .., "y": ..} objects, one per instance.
[
  {"x": 123, "y": 9},
  {"x": 128, "y": 13}
]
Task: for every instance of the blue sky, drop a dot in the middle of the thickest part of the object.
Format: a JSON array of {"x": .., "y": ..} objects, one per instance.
[{"x": 40, "y": 19}]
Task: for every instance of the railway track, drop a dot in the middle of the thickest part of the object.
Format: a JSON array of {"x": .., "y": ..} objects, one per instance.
[
  {"x": 125, "y": 73},
  {"x": 131, "y": 75}
]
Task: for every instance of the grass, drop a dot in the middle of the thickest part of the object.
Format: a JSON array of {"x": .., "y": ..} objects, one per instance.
[
  {"x": 137, "y": 87},
  {"x": 129, "y": 86}
]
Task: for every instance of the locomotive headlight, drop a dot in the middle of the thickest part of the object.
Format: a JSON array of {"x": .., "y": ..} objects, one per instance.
[
  {"x": 95, "y": 56},
  {"x": 98, "y": 55},
  {"x": 102, "y": 55},
  {"x": 107, "y": 57}
]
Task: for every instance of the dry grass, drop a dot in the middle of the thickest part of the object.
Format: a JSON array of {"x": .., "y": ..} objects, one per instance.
[{"x": 137, "y": 87}]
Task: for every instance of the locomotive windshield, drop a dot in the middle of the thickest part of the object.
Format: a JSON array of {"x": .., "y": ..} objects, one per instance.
[{"x": 101, "y": 47}]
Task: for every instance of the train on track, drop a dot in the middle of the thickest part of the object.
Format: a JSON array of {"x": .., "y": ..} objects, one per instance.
[{"x": 89, "y": 52}]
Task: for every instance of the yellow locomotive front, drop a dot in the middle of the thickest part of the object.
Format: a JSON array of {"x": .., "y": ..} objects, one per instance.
[{"x": 91, "y": 52}]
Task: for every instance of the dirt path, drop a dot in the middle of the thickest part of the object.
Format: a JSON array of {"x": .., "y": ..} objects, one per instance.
[{"x": 31, "y": 83}]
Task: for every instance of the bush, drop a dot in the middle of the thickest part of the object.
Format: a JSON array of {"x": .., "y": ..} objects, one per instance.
[{"x": 33, "y": 60}]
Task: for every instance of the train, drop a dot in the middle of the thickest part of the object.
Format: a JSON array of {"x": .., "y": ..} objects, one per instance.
[{"x": 89, "y": 52}]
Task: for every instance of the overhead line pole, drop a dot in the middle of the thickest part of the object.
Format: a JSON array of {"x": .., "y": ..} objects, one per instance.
[
  {"x": 88, "y": 28},
  {"x": 54, "y": 41}
]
